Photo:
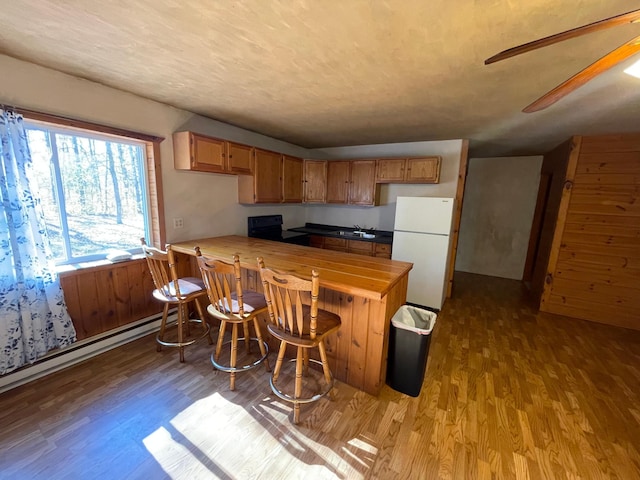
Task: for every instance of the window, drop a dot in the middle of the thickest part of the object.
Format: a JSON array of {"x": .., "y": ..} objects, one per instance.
[{"x": 93, "y": 190}]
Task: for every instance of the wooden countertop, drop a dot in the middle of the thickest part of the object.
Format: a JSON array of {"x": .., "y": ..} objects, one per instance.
[{"x": 354, "y": 274}]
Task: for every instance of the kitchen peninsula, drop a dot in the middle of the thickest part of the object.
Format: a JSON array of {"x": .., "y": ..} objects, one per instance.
[{"x": 364, "y": 291}]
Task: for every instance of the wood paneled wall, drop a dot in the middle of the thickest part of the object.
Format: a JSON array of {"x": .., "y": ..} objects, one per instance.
[
  {"x": 594, "y": 269},
  {"x": 102, "y": 298}
]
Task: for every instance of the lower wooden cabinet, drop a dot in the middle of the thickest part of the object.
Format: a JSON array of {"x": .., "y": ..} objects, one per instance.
[
  {"x": 371, "y": 249},
  {"x": 358, "y": 246},
  {"x": 338, "y": 244},
  {"x": 382, "y": 250}
]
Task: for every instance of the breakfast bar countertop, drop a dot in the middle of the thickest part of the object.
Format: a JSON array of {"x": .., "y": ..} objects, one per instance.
[
  {"x": 364, "y": 291},
  {"x": 368, "y": 277}
]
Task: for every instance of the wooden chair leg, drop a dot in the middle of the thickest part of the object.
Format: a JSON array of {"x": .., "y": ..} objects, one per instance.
[
  {"x": 263, "y": 350},
  {"x": 305, "y": 361},
  {"x": 234, "y": 355},
  {"x": 281, "y": 352},
  {"x": 221, "y": 330},
  {"x": 325, "y": 368},
  {"x": 185, "y": 319},
  {"x": 203, "y": 319},
  {"x": 180, "y": 333},
  {"x": 163, "y": 325},
  {"x": 247, "y": 346},
  {"x": 298, "y": 387}
]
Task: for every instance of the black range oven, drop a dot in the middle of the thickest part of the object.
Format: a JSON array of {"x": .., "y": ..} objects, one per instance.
[{"x": 269, "y": 227}]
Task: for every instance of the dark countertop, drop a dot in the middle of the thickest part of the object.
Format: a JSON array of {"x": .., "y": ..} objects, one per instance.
[{"x": 381, "y": 236}]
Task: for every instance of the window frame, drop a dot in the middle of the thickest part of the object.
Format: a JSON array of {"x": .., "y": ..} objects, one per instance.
[{"x": 152, "y": 164}]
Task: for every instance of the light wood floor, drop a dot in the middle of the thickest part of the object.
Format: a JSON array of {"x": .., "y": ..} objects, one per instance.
[{"x": 508, "y": 393}]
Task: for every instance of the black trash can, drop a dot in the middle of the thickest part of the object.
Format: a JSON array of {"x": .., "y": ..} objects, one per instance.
[{"x": 409, "y": 339}]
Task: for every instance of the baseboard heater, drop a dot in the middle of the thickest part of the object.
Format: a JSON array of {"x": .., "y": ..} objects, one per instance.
[{"x": 80, "y": 351}]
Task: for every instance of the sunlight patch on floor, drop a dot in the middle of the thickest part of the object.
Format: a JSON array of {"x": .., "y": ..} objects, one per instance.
[{"x": 216, "y": 435}]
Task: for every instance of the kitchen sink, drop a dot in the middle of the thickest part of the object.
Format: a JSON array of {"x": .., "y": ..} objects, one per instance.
[{"x": 354, "y": 234}]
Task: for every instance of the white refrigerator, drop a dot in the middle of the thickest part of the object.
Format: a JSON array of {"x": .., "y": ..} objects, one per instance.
[{"x": 422, "y": 235}]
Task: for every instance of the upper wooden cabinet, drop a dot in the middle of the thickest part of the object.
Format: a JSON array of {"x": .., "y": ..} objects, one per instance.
[
  {"x": 267, "y": 177},
  {"x": 408, "y": 170},
  {"x": 362, "y": 183},
  {"x": 239, "y": 158},
  {"x": 338, "y": 181},
  {"x": 276, "y": 178},
  {"x": 352, "y": 182},
  {"x": 292, "y": 175},
  {"x": 192, "y": 151},
  {"x": 315, "y": 181}
]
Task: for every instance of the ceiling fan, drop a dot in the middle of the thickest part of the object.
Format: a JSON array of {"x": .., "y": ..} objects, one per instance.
[{"x": 610, "y": 60}]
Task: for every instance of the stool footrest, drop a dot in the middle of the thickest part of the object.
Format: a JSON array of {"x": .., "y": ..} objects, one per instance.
[
  {"x": 240, "y": 368},
  {"x": 187, "y": 343},
  {"x": 288, "y": 398}
]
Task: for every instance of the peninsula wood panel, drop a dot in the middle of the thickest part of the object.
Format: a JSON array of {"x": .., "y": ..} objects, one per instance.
[
  {"x": 364, "y": 291},
  {"x": 596, "y": 272},
  {"x": 106, "y": 297}
]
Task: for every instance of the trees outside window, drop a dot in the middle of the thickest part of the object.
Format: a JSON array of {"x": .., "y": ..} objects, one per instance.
[{"x": 92, "y": 188}]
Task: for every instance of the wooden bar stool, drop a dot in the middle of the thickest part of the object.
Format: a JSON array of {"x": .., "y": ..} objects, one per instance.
[
  {"x": 230, "y": 304},
  {"x": 172, "y": 290},
  {"x": 296, "y": 320}
]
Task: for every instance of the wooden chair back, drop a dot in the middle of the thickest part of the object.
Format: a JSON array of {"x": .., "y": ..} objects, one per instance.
[
  {"x": 162, "y": 266},
  {"x": 285, "y": 295},
  {"x": 222, "y": 279}
]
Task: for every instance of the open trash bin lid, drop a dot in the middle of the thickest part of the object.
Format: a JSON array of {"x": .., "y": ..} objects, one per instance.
[{"x": 414, "y": 319}]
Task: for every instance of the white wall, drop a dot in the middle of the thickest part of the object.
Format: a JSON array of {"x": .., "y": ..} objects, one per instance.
[
  {"x": 382, "y": 217},
  {"x": 208, "y": 203},
  {"x": 499, "y": 202}
]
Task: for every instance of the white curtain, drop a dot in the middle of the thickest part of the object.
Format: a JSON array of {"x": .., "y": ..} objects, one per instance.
[{"x": 33, "y": 316}]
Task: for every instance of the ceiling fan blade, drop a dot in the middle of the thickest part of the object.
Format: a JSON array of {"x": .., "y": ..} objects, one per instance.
[
  {"x": 610, "y": 60},
  {"x": 621, "y": 19}
]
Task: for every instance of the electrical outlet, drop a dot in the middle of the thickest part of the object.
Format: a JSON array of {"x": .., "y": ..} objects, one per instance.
[{"x": 178, "y": 223}]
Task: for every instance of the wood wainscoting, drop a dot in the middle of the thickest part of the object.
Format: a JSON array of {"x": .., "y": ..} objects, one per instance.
[
  {"x": 592, "y": 267},
  {"x": 105, "y": 297}
]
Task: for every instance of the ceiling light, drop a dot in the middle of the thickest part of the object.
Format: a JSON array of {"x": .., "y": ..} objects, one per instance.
[{"x": 634, "y": 69}]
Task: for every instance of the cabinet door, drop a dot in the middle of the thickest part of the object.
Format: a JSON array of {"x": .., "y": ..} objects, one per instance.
[
  {"x": 338, "y": 181},
  {"x": 338, "y": 244},
  {"x": 362, "y": 187},
  {"x": 390, "y": 170},
  {"x": 382, "y": 250},
  {"x": 207, "y": 154},
  {"x": 267, "y": 177},
  {"x": 239, "y": 158},
  {"x": 315, "y": 181},
  {"x": 423, "y": 170},
  {"x": 360, "y": 247},
  {"x": 316, "y": 241},
  {"x": 291, "y": 179}
]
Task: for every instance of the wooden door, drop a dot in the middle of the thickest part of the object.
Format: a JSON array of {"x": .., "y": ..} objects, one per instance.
[
  {"x": 338, "y": 181},
  {"x": 207, "y": 154},
  {"x": 267, "y": 177},
  {"x": 390, "y": 170},
  {"x": 362, "y": 185},
  {"x": 315, "y": 181},
  {"x": 423, "y": 170},
  {"x": 292, "y": 168},
  {"x": 239, "y": 158}
]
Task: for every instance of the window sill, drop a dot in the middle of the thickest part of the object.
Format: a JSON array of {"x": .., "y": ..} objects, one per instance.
[{"x": 64, "y": 270}]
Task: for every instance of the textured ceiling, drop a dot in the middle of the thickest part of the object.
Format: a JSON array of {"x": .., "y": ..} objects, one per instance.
[{"x": 323, "y": 73}]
